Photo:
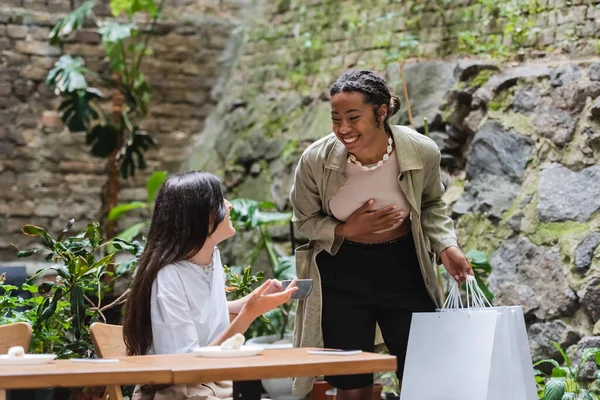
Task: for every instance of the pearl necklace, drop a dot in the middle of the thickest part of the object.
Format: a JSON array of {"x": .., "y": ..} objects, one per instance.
[{"x": 352, "y": 159}]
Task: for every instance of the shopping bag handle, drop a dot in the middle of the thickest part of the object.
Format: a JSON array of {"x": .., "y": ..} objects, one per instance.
[{"x": 475, "y": 296}]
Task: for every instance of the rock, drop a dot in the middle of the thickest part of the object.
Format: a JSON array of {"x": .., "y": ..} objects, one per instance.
[
  {"x": 497, "y": 83},
  {"x": 590, "y": 299},
  {"x": 473, "y": 120},
  {"x": 439, "y": 138},
  {"x": 514, "y": 222},
  {"x": 557, "y": 125},
  {"x": 542, "y": 334},
  {"x": 594, "y": 72},
  {"x": 258, "y": 147},
  {"x": 282, "y": 183},
  {"x": 427, "y": 83},
  {"x": 575, "y": 353},
  {"x": 495, "y": 169},
  {"x": 565, "y": 74},
  {"x": 560, "y": 189},
  {"x": 256, "y": 188},
  {"x": 595, "y": 110},
  {"x": 466, "y": 69},
  {"x": 572, "y": 97},
  {"x": 234, "y": 174},
  {"x": 526, "y": 99},
  {"x": 255, "y": 168},
  {"x": 517, "y": 267},
  {"x": 585, "y": 251}
]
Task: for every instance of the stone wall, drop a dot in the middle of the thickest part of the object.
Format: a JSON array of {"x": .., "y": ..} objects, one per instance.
[
  {"x": 46, "y": 173},
  {"x": 520, "y": 139}
]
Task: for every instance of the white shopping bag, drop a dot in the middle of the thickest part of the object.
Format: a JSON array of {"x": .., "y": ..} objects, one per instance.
[{"x": 473, "y": 353}]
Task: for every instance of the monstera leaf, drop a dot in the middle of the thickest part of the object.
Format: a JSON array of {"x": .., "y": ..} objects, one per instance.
[
  {"x": 113, "y": 34},
  {"x": 102, "y": 139},
  {"x": 77, "y": 109},
  {"x": 67, "y": 75},
  {"x": 133, "y": 151},
  {"x": 71, "y": 22}
]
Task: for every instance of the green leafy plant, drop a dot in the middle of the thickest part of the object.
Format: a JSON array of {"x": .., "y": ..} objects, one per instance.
[
  {"x": 61, "y": 311},
  {"x": 565, "y": 381},
  {"x": 250, "y": 215},
  {"x": 152, "y": 186},
  {"x": 117, "y": 136}
]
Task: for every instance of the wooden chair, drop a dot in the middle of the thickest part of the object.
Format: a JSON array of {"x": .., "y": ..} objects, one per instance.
[
  {"x": 108, "y": 340},
  {"x": 17, "y": 334}
]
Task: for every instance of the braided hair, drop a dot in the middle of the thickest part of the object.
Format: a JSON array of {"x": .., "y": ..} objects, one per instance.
[{"x": 374, "y": 90}]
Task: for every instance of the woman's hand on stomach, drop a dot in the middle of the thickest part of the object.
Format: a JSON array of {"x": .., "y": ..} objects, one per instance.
[{"x": 364, "y": 221}]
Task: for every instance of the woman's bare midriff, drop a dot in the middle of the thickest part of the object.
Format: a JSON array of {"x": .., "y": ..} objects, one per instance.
[{"x": 395, "y": 233}]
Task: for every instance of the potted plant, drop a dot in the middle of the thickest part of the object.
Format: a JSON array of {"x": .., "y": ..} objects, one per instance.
[
  {"x": 115, "y": 136},
  {"x": 61, "y": 310}
]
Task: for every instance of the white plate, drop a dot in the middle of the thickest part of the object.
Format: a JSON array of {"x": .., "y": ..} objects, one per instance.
[
  {"x": 217, "y": 352},
  {"x": 29, "y": 359}
]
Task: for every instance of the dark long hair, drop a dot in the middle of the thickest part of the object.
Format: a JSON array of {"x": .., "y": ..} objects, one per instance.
[
  {"x": 373, "y": 87},
  {"x": 189, "y": 207}
]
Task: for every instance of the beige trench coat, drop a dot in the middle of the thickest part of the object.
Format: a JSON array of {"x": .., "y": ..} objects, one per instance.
[{"x": 318, "y": 177}]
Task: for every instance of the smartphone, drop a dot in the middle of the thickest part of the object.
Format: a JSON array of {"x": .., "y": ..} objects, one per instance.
[{"x": 335, "y": 352}]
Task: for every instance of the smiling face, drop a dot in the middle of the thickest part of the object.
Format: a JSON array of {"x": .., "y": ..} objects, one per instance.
[{"x": 355, "y": 122}]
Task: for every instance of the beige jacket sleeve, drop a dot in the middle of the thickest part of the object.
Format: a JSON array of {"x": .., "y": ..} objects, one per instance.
[
  {"x": 434, "y": 221},
  {"x": 308, "y": 214}
]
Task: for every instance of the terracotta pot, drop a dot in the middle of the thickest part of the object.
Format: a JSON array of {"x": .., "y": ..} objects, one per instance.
[
  {"x": 318, "y": 390},
  {"x": 377, "y": 388}
]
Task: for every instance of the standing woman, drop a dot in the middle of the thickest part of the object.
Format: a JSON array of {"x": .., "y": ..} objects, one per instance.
[
  {"x": 177, "y": 300},
  {"x": 369, "y": 198}
]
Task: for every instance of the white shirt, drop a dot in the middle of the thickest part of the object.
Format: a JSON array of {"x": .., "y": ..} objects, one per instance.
[{"x": 188, "y": 307}]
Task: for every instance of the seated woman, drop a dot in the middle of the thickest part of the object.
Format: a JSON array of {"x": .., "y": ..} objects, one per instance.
[{"x": 177, "y": 300}]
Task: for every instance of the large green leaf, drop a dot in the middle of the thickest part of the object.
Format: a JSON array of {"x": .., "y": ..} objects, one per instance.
[
  {"x": 478, "y": 259},
  {"x": 71, "y": 22},
  {"x": 94, "y": 233},
  {"x": 555, "y": 389},
  {"x": 102, "y": 139},
  {"x": 130, "y": 233},
  {"x": 77, "y": 109},
  {"x": 549, "y": 361},
  {"x": 115, "y": 32},
  {"x": 484, "y": 287},
  {"x": 77, "y": 310},
  {"x": 67, "y": 74},
  {"x": 566, "y": 358},
  {"x": 247, "y": 212},
  {"x": 131, "y": 156},
  {"x": 27, "y": 253},
  {"x": 130, "y": 7},
  {"x": 271, "y": 217},
  {"x": 154, "y": 183},
  {"x": 49, "y": 308},
  {"x": 560, "y": 372},
  {"x": 32, "y": 230},
  {"x": 116, "y": 212}
]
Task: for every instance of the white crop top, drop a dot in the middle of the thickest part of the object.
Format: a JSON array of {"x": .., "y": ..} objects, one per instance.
[{"x": 380, "y": 184}]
